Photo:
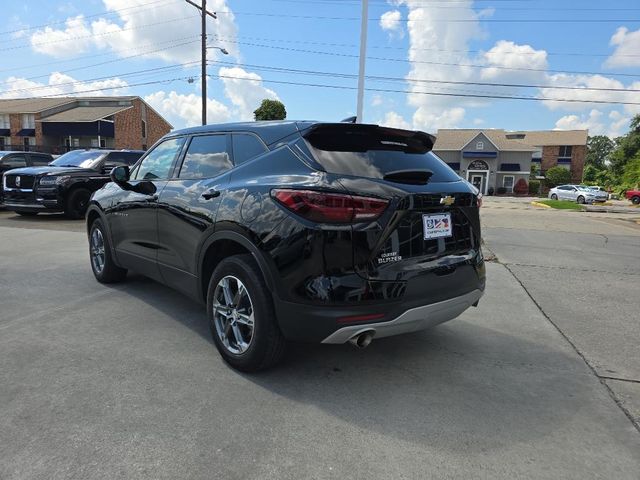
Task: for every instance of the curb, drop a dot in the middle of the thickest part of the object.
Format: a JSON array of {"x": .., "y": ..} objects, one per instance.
[{"x": 538, "y": 204}]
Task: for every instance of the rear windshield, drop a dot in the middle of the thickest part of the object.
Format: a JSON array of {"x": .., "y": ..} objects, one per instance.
[{"x": 376, "y": 152}]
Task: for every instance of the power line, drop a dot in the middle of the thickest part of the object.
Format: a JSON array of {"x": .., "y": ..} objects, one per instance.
[
  {"x": 104, "y": 13},
  {"x": 419, "y": 80},
  {"x": 428, "y": 62},
  {"x": 442, "y": 20}
]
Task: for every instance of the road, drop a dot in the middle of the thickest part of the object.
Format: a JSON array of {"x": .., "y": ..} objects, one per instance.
[{"x": 124, "y": 382}]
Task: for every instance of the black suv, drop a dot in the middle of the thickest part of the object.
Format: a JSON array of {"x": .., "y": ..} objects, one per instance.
[
  {"x": 301, "y": 231},
  {"x": 65, "y": 184},
  {"x": 16, "y": 159}
]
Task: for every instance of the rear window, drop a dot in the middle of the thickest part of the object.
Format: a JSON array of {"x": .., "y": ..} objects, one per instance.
[{"x": 376, "y": 152}]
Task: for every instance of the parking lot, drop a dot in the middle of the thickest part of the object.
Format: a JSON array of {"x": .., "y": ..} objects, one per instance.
[{"x": 542, "y": 380}]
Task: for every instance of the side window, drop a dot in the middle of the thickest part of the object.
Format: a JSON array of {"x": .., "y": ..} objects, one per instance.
[
  {"x": 206, "y": 157},
  {"x": 246, "y": 147},
  {"x": 157, "y": 164},
  {"x": 14, "y": 161},
  {"x": 40, "y": 159}
]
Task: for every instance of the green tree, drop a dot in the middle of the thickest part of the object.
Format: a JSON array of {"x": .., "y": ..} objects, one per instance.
[
  {"x": 590, "y": 173},
  {"x": 627, "y": 147},
  {"x": 557, "y": 176},
  {"x": 270, "y": 110},
  {"x": 599, "y": 147},
  {"x": 631, "y": 175}
]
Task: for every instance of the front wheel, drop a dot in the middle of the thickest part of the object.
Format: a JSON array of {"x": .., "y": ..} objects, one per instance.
[
  {"x": 104, "y": 268},
  {"x": 77, "y": 202},
  {"x": 581, "y": 200},
  {"x": 241, "y": 315},
  {"x": 635, "y": 200},
  {"x": 554, "y": 196}
]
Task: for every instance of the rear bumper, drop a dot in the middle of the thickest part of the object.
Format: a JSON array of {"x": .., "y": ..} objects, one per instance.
[{"x": 412, "y": 320}]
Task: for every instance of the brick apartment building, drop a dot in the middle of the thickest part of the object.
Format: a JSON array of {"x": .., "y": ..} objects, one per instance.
[
  {"x": 565, "y": 148},
  {"x": 57, "y": 125}
]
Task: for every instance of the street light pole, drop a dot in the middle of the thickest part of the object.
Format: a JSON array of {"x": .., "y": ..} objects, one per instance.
[
  {"x": 363, "y": 55},
  {"x": 204, "y": 12}
]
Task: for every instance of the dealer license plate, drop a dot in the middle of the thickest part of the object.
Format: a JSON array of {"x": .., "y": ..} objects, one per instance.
[{"x": 436, "y": 225}]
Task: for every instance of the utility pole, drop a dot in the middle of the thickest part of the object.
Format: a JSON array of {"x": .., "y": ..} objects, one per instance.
[
  {"x": 204, "y": 12},
  {"x": 363, "y": 55}
]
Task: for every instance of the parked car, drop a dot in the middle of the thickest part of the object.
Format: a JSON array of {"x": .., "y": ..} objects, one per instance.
[
  {"x": 633, "y": 195},
  {"x": 295, "y": 231},
  {"x": 577, "y": 193},
  {"x": 17, "y": 159},
  {"x": 65, "y": 184}
]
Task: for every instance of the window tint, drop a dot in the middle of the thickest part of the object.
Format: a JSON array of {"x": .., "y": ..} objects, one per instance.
[
  {"x": 40, "y": 159},
  {"x": 246, "y": 147},
  {"x": 158, "y": 163},
  {"x": 122, "y": 158},
  {"x": 14, "y": 161},
  {"x": 206, "y": 156}
]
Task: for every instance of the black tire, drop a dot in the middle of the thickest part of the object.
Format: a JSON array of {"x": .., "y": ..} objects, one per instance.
[
  {"x": 267, "y": 345},
  {"x": 554, "y": 196},
  {"x": 635, "y": 200},
  {"x": 110, "y": 272},
  {"x": 26, "y": 213},
  {"x": 77, "y": 202},
  {"x": 580, "y": 200}
]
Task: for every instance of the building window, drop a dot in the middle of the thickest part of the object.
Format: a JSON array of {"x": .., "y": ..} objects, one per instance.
[
  {"x": 144, "y": 129},
  {"x": 28, "y": 142},
  {"x": 507, "y": 183},
  {"x": 4, "y": 121},
  {"x": 103, "y": 143},
  {"x": 28, "y": 120},
  {"x": 480, "y": 146},
  {"x": 565, "y": 152},
  {"x": 76, "y": 142}
]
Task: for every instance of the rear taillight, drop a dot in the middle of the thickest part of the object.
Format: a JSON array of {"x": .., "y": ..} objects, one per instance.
[{"x": 323, "y": 207}]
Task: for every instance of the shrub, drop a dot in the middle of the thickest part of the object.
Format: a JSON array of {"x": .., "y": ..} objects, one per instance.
[
  {"x": 557, "y": 176},
  {"x": 501, "y": 190},
  {"x": 521, "y": 187},
  {"x": 534, "y": 187}
]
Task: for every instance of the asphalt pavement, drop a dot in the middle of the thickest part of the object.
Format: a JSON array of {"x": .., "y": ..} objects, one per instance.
[{"x": 124, "y": 382}]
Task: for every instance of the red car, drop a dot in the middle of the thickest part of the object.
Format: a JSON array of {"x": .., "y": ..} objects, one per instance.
[{"x": 633, "y": 195}]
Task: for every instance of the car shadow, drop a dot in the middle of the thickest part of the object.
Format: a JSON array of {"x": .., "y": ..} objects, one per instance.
[{"x": 461, "y": 386}]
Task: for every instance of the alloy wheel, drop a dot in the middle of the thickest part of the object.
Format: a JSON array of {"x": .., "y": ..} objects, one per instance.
[
  {"x": 97, "y": 250},
  {"x": 233, "y": 315}
]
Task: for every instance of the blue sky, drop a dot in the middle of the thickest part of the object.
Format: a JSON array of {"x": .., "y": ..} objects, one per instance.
[{"x": 150, "y": 48}]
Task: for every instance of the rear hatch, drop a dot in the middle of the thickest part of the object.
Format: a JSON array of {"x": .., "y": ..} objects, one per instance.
[{"x": 432, "y": 221}]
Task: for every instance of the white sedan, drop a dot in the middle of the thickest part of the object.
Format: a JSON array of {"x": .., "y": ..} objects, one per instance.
[{"x": 577, "y": 193}]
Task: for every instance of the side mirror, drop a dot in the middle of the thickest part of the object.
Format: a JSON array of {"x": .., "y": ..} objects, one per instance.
[{"x": 120, "y": 175}]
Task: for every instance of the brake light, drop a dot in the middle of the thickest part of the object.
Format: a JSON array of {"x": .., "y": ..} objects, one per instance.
[{"x": 326, "y": 207}]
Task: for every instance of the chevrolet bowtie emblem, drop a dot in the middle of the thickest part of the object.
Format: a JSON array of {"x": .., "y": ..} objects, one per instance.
[
  {"x": 17, "y": 181},
  {"x": 448, "y": 200}
]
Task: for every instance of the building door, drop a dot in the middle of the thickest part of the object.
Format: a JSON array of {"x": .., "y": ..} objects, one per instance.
[{"x": 478, "y": 180}]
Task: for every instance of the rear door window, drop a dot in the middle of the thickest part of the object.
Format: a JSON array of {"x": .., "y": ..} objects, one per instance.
[
  {"x": 246, "y": 147},
  {"x": 207, "y": 156},
  {"x": 376, "y": 152},
  {"x": 40, "y": 160}
]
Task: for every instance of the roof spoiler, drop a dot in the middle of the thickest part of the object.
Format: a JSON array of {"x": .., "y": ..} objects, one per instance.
[{"x": 410, "y": 141}]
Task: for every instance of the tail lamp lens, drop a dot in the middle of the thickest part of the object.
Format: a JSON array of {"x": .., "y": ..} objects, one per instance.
[{"x": 325, "y": 207}]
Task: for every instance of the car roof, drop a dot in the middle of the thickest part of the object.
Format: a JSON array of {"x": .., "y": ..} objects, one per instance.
[
  {"x": 7, "y": 152},
  {"x": 269, "y": 131}
]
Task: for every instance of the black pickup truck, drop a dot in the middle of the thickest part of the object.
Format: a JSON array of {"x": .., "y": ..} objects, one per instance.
[{"x": 66, "y": 184}]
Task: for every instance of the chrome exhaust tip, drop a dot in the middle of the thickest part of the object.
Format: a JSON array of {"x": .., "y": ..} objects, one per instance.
[{"x": 362, "y": 339}]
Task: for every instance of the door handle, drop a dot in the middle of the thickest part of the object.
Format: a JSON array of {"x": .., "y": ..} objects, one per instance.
[{"x": 211, "y": 193}]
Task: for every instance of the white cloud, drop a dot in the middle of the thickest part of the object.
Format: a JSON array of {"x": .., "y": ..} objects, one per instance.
[
  {"x": 509, "y": 55},
  {"x": 145, "y": 26},
  {"x": 186, "y": 110},
  {"x": 627, "y": 52},
  {"x": 391, "y": 22},
  {"x": 395, "y": 120},
  {"x": 59, "y": 84},
  {"x": 73, "y": 39},
  {"x": 245, "y": 90},
  {"x": 478, "y": 121},
  {"x": 613, "y": 125}
]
